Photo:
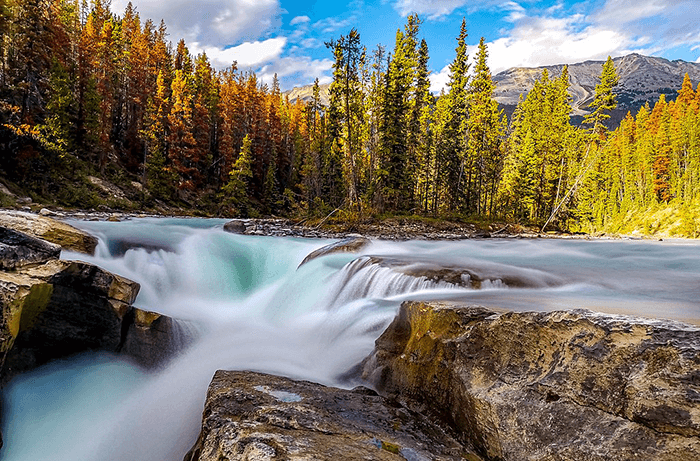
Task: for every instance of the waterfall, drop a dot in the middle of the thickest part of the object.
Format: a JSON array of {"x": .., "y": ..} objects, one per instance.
[{"x": 252, "y": 309}]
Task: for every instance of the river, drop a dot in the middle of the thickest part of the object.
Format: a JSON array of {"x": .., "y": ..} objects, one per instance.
[{"x": 252, "y": 309}]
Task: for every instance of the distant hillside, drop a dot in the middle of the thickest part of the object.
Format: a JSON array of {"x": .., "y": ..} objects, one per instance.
[
  {"x": 305, "y": 93},
  {"x": 642, "y": 79}
]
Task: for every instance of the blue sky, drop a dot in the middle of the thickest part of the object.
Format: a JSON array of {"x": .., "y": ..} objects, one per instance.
[{"x": 287, "y": 38}]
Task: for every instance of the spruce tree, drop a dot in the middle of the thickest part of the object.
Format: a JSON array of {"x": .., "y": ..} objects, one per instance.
[
  {"x": 451, "y": 156},
  {"x": 485, "y": 132},
  {"x": 604, "y": 100},
  {"x": 236, "y": 190},
  {"x": 398, "y": 134}
]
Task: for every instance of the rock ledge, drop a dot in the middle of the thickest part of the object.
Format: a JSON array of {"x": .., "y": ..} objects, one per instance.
[{"x": 547, "y": 386}]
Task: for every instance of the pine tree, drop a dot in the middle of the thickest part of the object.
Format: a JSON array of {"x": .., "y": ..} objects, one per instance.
[
  {"x": 236, "y": 190},
  {"x": 399, "y": 124},
  {"x": 452, "y": 145},
  {"x": 345, "y": 119},
  {"x": 604, "y": 100},
  {"x": 485, "y": 131},
  {"x": 421, "y": 135}
]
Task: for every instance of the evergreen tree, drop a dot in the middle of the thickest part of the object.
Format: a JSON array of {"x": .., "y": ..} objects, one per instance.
[
  {"x": 604, "y": 100},
  {"x": 485, "y": 131},
  {"x": 452, "y": 148},
  {"x": 345, "y": 119},
  {"x": 236, "y": 190},
  {"x": 399, "y": 123},
  {"x": 421, "y": 134}
]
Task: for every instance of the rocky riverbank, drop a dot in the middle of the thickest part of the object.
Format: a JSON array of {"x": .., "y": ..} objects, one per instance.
[
  {"x": 572, "y": 385},
  {"x": 387, "y": 229}
]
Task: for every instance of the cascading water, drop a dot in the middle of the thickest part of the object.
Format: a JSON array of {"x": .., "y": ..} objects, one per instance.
[{"x": 251, "y": 309}]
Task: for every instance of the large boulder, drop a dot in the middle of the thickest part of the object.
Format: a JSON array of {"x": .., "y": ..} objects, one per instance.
[
  {"x": 49, "y": 229},
  {"x": 570, "y": 385},
  {"x": 253, "y": 416},
  {"x": 236, "y": 226},
  {"x": 61, "y": 308},
  {"x": 58, "y": 309},
  {"x": 18, "y": 249}
]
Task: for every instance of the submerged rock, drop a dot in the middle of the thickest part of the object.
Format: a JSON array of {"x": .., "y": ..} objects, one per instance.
[
  {"x": 547, "y": 386},
  {"x": 152, "y": 339},
  {"x": 50, "y": 230},
  {"x": 253, "y": 416},
  {"x": 472, "y": 275},
  {"x": 347, "y": 245}
]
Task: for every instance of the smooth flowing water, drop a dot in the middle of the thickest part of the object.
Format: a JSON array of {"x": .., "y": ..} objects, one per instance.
[{"x": 252, "y": 309}]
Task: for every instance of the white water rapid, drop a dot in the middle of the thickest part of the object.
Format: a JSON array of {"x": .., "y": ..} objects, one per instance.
[{"x": 252, "y": 309}]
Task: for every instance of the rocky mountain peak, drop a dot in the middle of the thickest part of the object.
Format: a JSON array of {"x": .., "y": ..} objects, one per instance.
[{"x": 642, "y": 79}]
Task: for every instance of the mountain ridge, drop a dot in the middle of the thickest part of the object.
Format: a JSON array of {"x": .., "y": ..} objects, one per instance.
[{"x": 642, "y": 79}]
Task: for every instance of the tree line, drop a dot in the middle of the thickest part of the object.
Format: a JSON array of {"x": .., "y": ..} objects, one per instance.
[{"x": 84, "y": 88}]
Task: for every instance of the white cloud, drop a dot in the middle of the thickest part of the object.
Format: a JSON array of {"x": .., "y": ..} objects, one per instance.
[
  {"x": 212, "y": 22},
  {"x": 328, "y": 25},
  {"x": 303, "y": 68},
  {"x": 440, "y": 80},
  {"x": 554, "y": 38},
  {"x": 432, "y": 8},
  {"x": 299, "y": 20},
  {"x": 247, "y": 55}
]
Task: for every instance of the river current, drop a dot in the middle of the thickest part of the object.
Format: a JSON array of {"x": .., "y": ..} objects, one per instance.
[{"x": 251, "y": 308}]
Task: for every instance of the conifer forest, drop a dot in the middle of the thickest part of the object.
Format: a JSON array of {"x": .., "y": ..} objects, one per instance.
[{"x": 86, "y": 92}]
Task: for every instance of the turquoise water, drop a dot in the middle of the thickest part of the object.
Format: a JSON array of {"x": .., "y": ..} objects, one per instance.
[{"x": 252, "y": 309}]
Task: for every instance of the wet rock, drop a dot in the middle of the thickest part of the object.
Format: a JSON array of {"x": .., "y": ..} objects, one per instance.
[
  {"x": 473, "y": 274},
  {"x": 59, "y": 309},
  {"x": 547, "y": 386},
  {"x": 256, "y": 416},
  {"x": 235, "y": 226},
  {"x": 18, "y": 249},
  {"x": 49, "y": 229},
  {"x": 347, "y": 245},
  {"x": 153, "y": 339}
]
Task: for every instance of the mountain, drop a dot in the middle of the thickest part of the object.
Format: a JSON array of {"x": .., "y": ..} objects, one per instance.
[
  {"x": 306, "y": 93},
  {"x": 642, "y": 79}
]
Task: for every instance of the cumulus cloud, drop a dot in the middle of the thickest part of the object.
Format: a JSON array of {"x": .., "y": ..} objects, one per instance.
[
  {"x": 619, "y": 27},
  {"x": 433, "y": 9},
  {"x": 547, "y": 41},
  {"x": 440, "y": 80},
  {"x": 301, "y": 67},
  {"x": 299, "y": 20},
  {"x": 247, "y": 55},
  {"x": 212, "y": 22}
]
